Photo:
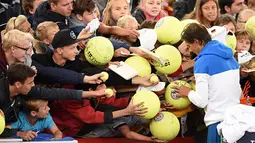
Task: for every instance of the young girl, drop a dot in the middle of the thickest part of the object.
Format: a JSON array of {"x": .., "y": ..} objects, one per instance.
[
  {"x": 205, "y": 12},
  {"x": 149, "y": 10},
  {"x": 21, "y": 23},
  {"x": 114, "y": 10},
  {"x": 244, "y": 41}
]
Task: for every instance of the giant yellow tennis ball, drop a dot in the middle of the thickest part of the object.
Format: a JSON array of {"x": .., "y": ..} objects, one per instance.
[
  {"x": 171, "y": 98},
  {"x": 140, "y": 64},
  {"x": 168, "y": 30},
  {"x": 231, "y": 41},
  {"x": 172, "y": 59},
  {"x": 249, "y": 25},
  {"x": 165, "y": 126},
  {"x": 99, "y": 50},
  {"x": 186, "y": 22},
  {"x": 151, "y": 101},
  {"x": 2, "y": 124}
]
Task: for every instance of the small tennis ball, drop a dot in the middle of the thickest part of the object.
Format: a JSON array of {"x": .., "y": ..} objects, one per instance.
[
  {"x": 109, "y": 91},
  {"x": 154, "y": 79},
  {"x": 105, "y": 77}
]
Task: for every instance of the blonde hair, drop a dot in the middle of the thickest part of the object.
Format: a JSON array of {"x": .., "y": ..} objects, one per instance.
[
  {"x": 14, "y": 37},
  {"x": 34, "y": 104},
  {"x": 197, "y": 13},
  {"x": 15, "y": 23},
  {"x": 245, "y": 11},
  {"x": 43, "y": 29},
  {"x": 107, "y": 13},
  {"x": 123, "y": 21}
]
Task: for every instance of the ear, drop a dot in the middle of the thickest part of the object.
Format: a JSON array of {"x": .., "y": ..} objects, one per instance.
[
  {"x": 227, "y": 9},
  {"x": 80, "y": 17},
  {"x": 46, "y": 41},
  {"x": 196, "y": 42},
  {"x": 17, "y": 84},
  {"x": 12, "y": 49},
  {"x": 33, "y": 113},
  {"x": 31, "y": 11},
  {"x": 59, "y": 51},
  {"x": 53, "y": 6}
]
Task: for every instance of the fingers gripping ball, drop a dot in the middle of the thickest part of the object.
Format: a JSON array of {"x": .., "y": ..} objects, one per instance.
[
  {"x": 109, "y": 91},
  {"x": 154, "y": 79},
  {"x": 171, "y": 98},
  {"x": 151, "y": 101},
  {"x": 172, "y": 59},
  {"x": 169, "y": 30},
  {"x": 250, "y": 26},
  {"x": 165, "y": 126},
  {"x": 2, "y": 124},
  {"x": 105, "y": 77},
  {"x": 99, "y": 51},
  {"x": 140, "y": 64},
  {"x": 231, "y": 41}
]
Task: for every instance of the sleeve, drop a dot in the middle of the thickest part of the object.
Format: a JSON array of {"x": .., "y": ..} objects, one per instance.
[
  {"x": 16, "y": 125},
  {"x": 116, "y": 102},
  {"x": 118, "y": 44},
  {"x": 139, "y": 16},
  {"x": 48, "y": 122},
  {"x": 90, "y": 116},
  {"x": 54, "y": 93},
  {"x": 179, "y": 10},
  {"x": 9, "y": 132},
  {"x": 58, "y": 75},
  {"x": 200, "y": 96}
]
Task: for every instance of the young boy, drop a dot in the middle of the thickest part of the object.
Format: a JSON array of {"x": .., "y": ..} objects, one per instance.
[
  {"x": 217, "y": 78},
  {"x": 85, "y": 11},
  {"x": 45, "y": 32},
  {"x": 35, "y": 119}
]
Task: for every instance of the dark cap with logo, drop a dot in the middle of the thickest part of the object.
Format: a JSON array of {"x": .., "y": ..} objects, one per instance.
[{"x": 65, "y": 37}]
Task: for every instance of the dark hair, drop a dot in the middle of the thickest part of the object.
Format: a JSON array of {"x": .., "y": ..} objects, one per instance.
[
  {"x": 53, "y": 1},
  {"x": 148, "y": 24},
  {"x": 27, "y": 5},
  {"x": 19, "y": 72},
  {"x": 223, "y": 3},
  {"x": 80, "y": 6},
  {"x": 196, "y": 31},
  {"x": 224, "y": 19}
]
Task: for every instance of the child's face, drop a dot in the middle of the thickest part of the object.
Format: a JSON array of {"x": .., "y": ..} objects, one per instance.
[
  {"x": 43, "y": 110},
  {"x": 230, "y": 26},
  {"x": 243, "y": 43},
  {"x": 210, "y": 11},
  {"x": 152, "y": 7},
  {"x": 89, "y": 16},
  {"x": 119, "y": 9},
  {"x": 131, "y": 25},
  {"x": 51, "y": 33}
]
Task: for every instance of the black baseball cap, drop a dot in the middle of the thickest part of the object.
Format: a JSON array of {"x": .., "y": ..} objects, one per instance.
[{"x": 64, "y": 38}]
